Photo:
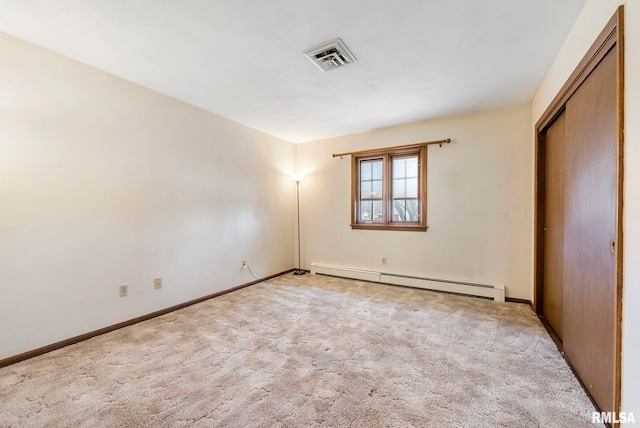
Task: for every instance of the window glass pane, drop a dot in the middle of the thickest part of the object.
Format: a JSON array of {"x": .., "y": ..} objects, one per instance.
[
  {"x": 405, "y": 189},
  {"x": 412, "y": 188},
  {"x": 371, "y": 211},
  {"x": 371, "y": 180},
  {"x": 399, "y": 188},
  {"x": 378, "y": 214},
  {"x": 371, "y": 191},
  {"x": 405, "y": 210},
  {"x": 412, "y": 213},
  {"x": 399, "y": 167},
  {"x": 376, "y": 189},
  {"x": 398, "y": 210},
  {"x": 365, "y": 190},
  {"x": 365, "y": 170},
  {"x": 412, "y": 167},
  {"x": 366, "y": 211},
  {"x": 376, "y": 169}
]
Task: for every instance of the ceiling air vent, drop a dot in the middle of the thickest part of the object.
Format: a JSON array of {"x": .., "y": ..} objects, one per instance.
[{"x": 330, "y": 55}]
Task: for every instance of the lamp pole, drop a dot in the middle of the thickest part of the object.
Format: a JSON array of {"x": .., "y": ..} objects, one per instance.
[{"x": 298, "y": 178}]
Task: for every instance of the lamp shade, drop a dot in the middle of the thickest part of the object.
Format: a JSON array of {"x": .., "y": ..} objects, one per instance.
[{"x": 297, "y": 177}]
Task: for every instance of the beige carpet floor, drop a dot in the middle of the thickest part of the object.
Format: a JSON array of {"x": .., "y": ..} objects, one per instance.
[{"x": 307, "y": 351}]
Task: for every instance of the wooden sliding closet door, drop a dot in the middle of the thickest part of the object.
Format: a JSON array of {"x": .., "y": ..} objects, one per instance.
[
  {"x": 590, "y": 219},
  {"x": 578, "y": 273},
  {"x": 554, "y": 224}
]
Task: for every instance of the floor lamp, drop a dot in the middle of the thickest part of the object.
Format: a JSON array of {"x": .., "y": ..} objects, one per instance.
[{"x": 298, "y": 178}]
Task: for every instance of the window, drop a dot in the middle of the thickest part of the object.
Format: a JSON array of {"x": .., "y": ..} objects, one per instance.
[{"x": 388, "y": 189}]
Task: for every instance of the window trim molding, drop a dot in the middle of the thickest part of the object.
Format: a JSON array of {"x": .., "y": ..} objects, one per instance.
[{"x": 387, "y": 154}]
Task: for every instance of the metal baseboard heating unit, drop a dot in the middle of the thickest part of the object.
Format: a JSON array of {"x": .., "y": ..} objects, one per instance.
[{"x": 495, "y": 292}]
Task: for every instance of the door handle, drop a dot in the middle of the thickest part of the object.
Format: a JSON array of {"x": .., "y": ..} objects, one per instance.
[{"x": 613, "y": 247}]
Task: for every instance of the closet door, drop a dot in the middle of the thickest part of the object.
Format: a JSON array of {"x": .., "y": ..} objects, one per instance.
[
  {"x": 589, "y": 303},
  {"x": 554, "y": 224}
]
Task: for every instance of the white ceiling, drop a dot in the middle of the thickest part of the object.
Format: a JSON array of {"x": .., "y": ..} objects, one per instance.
[{"x": 242, "y": 59}]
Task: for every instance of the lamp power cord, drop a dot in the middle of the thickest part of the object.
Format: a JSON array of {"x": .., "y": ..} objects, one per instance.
[{"x": 250, "y": 271}]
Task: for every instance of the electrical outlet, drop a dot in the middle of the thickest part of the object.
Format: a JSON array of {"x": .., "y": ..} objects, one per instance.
[
  {"x": 123, "y": 290},
  {"x": 244, "y": 264},
  {"x": 157, "y": 283},
  {"x": 384, "y": 260}
]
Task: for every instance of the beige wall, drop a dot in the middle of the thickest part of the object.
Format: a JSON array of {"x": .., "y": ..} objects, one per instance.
[
  {"x": 103, "y": 182},
  {"x": 593, "y": 18},
  {"x": 479, "y": 202}
]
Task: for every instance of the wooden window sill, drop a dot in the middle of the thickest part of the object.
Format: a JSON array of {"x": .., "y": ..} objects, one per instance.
[{"x": 403, "y": 228}]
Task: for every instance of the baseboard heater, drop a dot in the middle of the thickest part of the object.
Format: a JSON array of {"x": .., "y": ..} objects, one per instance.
[{"x": 495, "y": 292}]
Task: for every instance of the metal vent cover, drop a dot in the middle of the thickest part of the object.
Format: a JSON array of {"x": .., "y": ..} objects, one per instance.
[{"x": 330, "y": 55}]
